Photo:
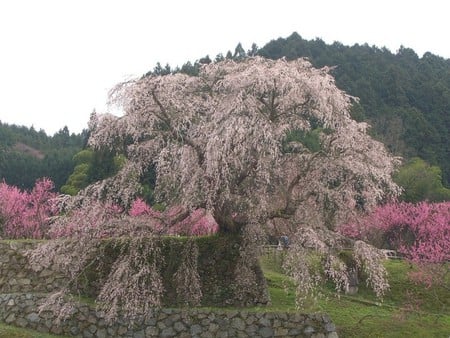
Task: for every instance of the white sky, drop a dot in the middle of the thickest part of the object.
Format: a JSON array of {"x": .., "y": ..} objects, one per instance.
[{"x": 58, "y": 58}]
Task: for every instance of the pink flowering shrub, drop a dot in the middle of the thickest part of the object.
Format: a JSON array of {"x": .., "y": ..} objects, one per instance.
[
  {"x": 176, "y": 220},
  {"x": 139, "y": 208},
  {"x": 26, "y": 214},
  {"x": 12, "y": 204},
  {"x": 420, "y": 231},
  {"x": 198, "y": 223}
]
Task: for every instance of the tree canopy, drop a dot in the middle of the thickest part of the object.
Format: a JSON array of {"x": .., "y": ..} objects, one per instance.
[
  {"x": 421, "y": 182},
  {"x": 252, "y": 141}
]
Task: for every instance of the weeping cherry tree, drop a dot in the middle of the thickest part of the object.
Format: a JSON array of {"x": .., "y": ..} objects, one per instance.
[{"x": 264, "y": 146}]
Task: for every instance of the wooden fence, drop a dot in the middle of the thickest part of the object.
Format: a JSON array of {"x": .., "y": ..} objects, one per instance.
[{"x": 268, "y": 250}]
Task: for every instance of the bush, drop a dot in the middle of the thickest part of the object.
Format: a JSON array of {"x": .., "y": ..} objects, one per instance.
[
  {"x": 26, "y": 214},
  {"x": 420, "y": 231}
]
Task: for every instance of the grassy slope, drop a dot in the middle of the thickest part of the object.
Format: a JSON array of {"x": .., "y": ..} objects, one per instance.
[{"x": 408, "y": 310}]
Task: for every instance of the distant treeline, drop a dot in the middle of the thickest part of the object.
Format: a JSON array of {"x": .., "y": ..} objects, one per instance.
[{"x": 27, "y": 154}]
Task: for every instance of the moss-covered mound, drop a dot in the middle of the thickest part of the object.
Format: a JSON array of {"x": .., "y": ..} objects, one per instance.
[{"x": 217, "y": 268}]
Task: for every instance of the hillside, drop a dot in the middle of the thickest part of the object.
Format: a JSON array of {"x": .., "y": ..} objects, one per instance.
[{"x": 27, "y": 154}]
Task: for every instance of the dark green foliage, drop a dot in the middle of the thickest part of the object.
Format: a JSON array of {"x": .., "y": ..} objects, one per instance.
[
  {"x": 404, "y": 97},
  {"x": 26, "y": 155},
  {"x": 160, "y": 70},
  {"x": 190, "y": 69},
  {"x": 309, "y": 139},
  {"x": 239, "y": 52}
]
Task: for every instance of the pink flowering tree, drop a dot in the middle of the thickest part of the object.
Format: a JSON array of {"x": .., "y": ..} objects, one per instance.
[
  {"x": 26, "y": 214},
  {"x": 420, "y": 232},
  {"x": 12, "y": 205},
  {"x": 255, "y": 145}
]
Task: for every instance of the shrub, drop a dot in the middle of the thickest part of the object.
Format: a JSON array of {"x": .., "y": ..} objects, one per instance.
[
  {"x": 420, "y": 231},
  {"x": 26, "y": 214}
]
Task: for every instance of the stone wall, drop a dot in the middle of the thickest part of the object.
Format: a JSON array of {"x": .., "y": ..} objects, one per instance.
[
  {"x": 216, "y": 267},
  {"x": 23, "y": 287},
  {"x": 21, "y": 310},
  {"x": 17, "y": 275}
]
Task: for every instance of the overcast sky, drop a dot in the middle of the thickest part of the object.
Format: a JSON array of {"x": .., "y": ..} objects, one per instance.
[{"x": 59, "y": 58}]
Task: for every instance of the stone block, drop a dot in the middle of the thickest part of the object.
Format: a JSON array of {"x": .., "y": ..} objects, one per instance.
[
  {"x": 266, "y": 332},
  {"x": 168, "y": 332},
  {"x": 196, "y": 329},
  {"x": 139, "y": 334},
  {"x": 179, "y": 326},
  {"x": 238, "y": 324},
  {"x": 33, "y": 317},
  {"x": 10, "y": 318},
  {"x": 330, "y": 327},
  {"x": 21, "y": 322},
  {"x": 102, "y": 333},
  {"x": 309, "y": 330},
  {"x": 151, "y": 331}
]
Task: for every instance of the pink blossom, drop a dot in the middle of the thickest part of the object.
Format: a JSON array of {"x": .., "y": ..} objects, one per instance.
[
  {"x": 95, "y": 219},
  {"x": 139, "y": 208},
  {"x": 27, "y": 214},
  {"x": 176, "y": 219},
  {"x": 419, "y": 231},
  {"x": 198, "y": 223}
]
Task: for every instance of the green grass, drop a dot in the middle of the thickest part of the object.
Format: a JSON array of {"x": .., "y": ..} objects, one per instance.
[
  {"x": 408, "y": 310},
  {"x": 7, "y": 331}
]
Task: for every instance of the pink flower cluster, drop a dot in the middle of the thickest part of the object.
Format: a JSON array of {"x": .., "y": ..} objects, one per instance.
[
  {"x": 419, "y": 231},
  {"x": 175, "y": 221},
  {"x": 26, "y": 214},
  {"x": 95, "y": 219}
]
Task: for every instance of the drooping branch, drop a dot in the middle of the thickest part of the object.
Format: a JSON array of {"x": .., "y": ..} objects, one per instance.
[
  {"x": 184, "y": 139},
  {"x": 270, "y": 109},
  {"x": 290, "y": 205}
]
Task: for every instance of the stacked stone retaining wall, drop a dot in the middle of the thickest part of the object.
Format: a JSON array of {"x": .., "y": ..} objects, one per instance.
[
  {"x": 21, "y": 310},
  {"x": 24, "y": 287},
  {"x": 17, "y": 275}
]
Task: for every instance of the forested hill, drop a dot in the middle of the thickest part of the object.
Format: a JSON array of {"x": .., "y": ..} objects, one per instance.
[
  {"x": 27, "y": 154},
  {"x": 405, "y": 97}
]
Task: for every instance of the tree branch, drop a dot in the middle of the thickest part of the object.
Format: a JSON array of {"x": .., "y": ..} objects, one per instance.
[{"x": 167, "y": 121}]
